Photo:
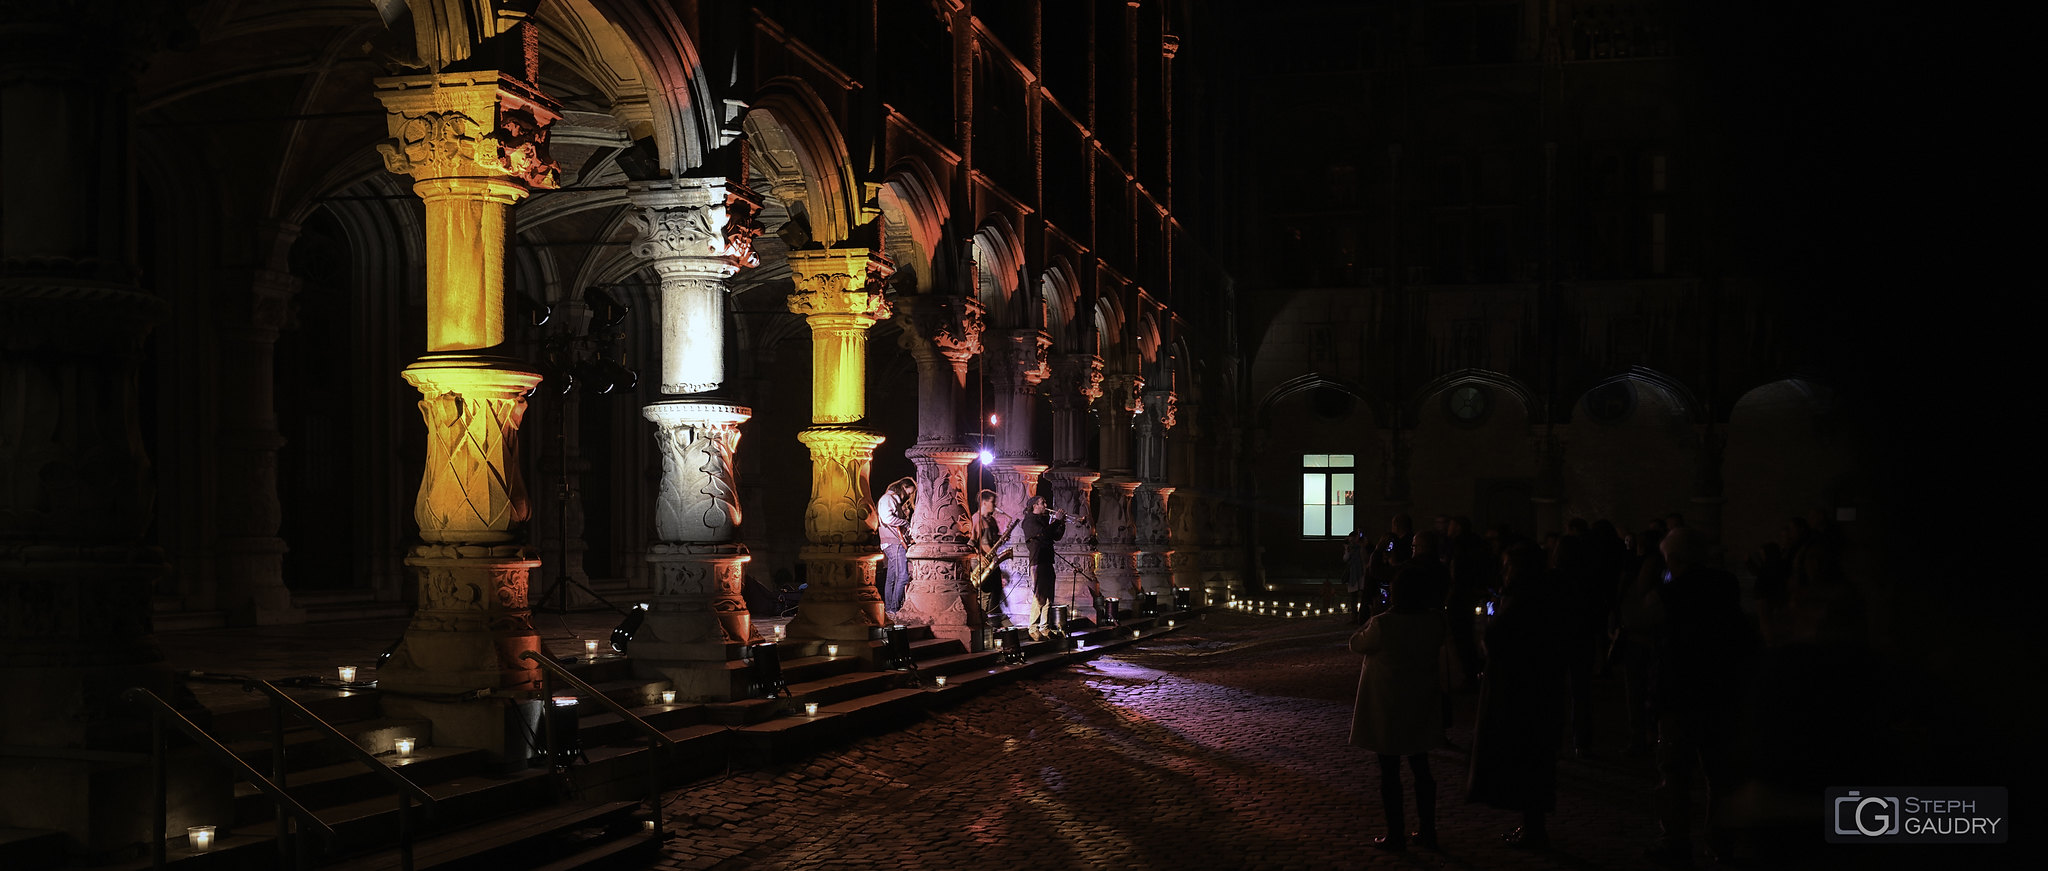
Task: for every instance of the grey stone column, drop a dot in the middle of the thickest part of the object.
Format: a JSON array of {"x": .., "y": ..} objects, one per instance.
[
  {"x": 251, "y": 555},
  {"x": 698, "y": 232},
  {"x": 1076, "y": 384},
  {"x": 942, "y": 333},
  {"x": 1019, "y": 367},
  {"x": 1115, "y": 532},
  {"x": 1153, "y": 499},
  {"x": 76, "y": 494}
]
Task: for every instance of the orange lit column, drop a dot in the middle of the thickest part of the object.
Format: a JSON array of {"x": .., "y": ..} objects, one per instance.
[
  {"x": 1075, "y": 385},
  {"x": 1114, "y": 532},
  {"x": 698, "y": 233},
  {"x": 943, "y": 334},
  {"x": 838, "y": 291},
  {"x": 1152, "y": 504},
  {"x": 474, "y": 143}
]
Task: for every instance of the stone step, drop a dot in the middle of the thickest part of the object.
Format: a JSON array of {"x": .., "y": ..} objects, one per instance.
[
  {"x": 31, "y": 848},
  {"x": 305, "y": 748},
  {"x": 598, "y": 726},
  {"x": 351, "y": 781},
  {"x": 335, "y": 706},
  {"x": 548, "y": 835},
  {"x": 632, "y": 850}
]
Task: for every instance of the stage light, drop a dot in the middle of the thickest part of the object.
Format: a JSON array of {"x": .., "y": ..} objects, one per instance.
[
  {"x": 622, "y": 635},
  {"x": 606, "y": 311},
  {"x": 994, "y": 420},
  {"x": 988, "y": 457}
]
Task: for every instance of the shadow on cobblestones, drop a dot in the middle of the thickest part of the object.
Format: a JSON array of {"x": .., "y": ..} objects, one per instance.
[{"x": 1222, "y": 746}]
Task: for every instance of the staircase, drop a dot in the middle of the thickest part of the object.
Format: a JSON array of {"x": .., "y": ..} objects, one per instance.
[{"x": 592, "y": 814}]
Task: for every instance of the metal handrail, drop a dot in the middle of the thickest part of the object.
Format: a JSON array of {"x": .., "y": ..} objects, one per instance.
[
  {"x": 407, "y": 790},
  {"x": 355, "y": 750},
  {"x": 555, "y": 668},
  {"x": 656, "y": 739},
  {"x": 166, "y": 713}
]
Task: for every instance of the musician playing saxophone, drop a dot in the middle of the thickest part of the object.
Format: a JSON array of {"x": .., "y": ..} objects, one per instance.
[{"x": 990, "y": 551}]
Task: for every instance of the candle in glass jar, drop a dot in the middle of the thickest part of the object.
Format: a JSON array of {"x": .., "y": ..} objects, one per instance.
[
  {"x": 405, "y": 745},
  {"x": 590, "y": 647},
  {"x": 831, "y": 650},
  {"x": 939, "y": 681},
  {"x": 810, "y": 709},
  {"x": 348, "y": 673},
  {"x": 200, "y": 837},
  {"x": 668, "y": 697}
]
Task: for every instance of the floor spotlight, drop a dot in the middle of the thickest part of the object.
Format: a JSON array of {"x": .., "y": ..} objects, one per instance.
[{"x": 622, "y": 634}]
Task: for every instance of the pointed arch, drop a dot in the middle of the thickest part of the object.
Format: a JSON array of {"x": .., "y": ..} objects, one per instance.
[{"x": 793, "y": 140}]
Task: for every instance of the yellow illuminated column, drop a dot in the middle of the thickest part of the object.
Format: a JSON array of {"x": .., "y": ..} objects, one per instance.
[
  {"x": 697, "y": 232},
  {"x": 474, "y": 143},
  {"x": 838, "y": 292}
]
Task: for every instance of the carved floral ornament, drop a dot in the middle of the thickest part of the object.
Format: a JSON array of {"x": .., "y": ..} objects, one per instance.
[
  {"x": 437, "y": 126},
  {"x": 950, "y": 325},
  {"x": 839, "y": 282},
  {"x": 720, "y": 232},
  {"x": 1081, "y": 376}
]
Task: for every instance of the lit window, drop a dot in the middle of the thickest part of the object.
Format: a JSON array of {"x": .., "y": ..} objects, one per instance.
[{"x": 1328, "y": 492}]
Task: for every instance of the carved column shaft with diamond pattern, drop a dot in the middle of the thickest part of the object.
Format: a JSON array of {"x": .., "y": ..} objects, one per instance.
[
  {"x": 1019, "y": 367},
  {"x": 839, "y": 294},
  {"x": 474, "y": 143},
  {"x": 1075, "y": 385},
  {"x": 1115, "y": 534}
]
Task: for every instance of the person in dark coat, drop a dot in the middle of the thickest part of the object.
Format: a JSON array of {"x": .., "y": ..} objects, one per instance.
[
  {"x": 1395, "y": 714},
  {"x": 1702, "y": 654},
  {"x": 1042, "y": 530},
  {"x": 1521, "y": 699},
  {"x": 1357, "y": 553}
]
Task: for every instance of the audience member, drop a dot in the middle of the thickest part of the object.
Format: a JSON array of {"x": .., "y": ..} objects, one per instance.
[
  {"x": 1697, "y": 678},
  {"x": 1521, "y": 693},
  {"x": 1357, "y": 556},
  {"x": 1395, "y": 711}
]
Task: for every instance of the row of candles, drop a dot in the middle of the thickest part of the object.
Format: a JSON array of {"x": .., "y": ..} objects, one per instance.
[{"x": 1286, "y": 609}]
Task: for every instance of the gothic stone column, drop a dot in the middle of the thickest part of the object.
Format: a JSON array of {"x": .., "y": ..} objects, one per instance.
[
  {"x": 1075, "y": 385},
  {"x": 1019, "y": 367},
  {"x": 1115, "y": 531},
  {"x": 838, "y": 292},
  {"x": 76, "y": 494},
  {"x": 251, "y": 587},
  {"x": 474, "y": 143},
  {"x": 1154, "y": 536},
  {"x": 698, "y": 232},
  {"x": 943, "y": 333}
]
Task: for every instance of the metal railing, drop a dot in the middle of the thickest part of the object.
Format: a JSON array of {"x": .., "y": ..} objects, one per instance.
[
  {"x": 407, "y": 790},
  {"x": 163, "y": 713},
  {"x": 656, "y": 739}
]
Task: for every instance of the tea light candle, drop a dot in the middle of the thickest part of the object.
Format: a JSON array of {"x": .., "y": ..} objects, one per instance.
[
  {"x": 939, "y": 681},
  {"x": 590, "y": 647},
  {"x": 831, "y": 650},
  {"x": 200, "y": 837},
  {"x": 1169, "y": 624},
  {"x": 999, "y": 641},
  {"x": 778, "y": 631},
  {"x": 668, "y": 697},
  {"x": 810, "y": 709},
  {"x": 646, "y": 825},
  {"x": 348, "y": 673},
  {"x": 405, "y": 745}
]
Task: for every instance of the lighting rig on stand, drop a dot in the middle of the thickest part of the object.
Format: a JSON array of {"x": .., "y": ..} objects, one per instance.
[{"x": 587, "y": 357}]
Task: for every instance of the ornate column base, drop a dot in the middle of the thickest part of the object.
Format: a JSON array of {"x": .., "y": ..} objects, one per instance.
[
  {"x": 939, "y": 595},
  {"x": 252, "y": 588},
  {"x": 1155, "y": 572},
  {"x": 1119, "y": 573},
  {"x": 1072, "y": 586},
  {"x": 699, "y": 621},
  {"x": 472, "y": 623},
  {"x": 841, "y": 602},
  {"x": 1014, "y": 486}
]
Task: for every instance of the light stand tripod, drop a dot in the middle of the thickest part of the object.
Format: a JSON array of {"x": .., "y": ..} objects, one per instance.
[{"x": 601, "y": 373}]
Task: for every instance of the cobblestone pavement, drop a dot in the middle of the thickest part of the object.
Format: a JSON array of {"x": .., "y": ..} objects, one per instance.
[{"x": 1222, "y": 746}]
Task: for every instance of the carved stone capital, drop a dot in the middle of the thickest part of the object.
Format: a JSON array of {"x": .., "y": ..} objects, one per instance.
[
  {"x": 840, "y": 281},
  {"x": 1076, "y": 376},
  {"x": 1160, "y": 406},
  {"x": 1124, "y": 392},
  {"x": 702, "y": 226},
  {"x": 467, "y": 125},
  {"x": 1023, "y": 360},
  {"x": 949, "y": 326}
]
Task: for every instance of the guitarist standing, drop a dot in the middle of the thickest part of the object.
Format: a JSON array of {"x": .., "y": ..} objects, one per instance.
[{"x": 989, "y": 553}]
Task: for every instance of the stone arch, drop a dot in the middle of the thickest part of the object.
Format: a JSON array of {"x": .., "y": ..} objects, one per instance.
[
  {"x": 794, "y": 143},
  {"x": 1669, "y": 391},
  {"x": 1145, "y": 336},
  {"x": 1060, "y": 299},
  {"x": 641, "y": 56},
  {"x": 1636, "y": 458},
  {"x": 913, "y": 220},
  {"x": 998, "y": 265},
  {"x": 1787, "y": 455},
  {"x": 1418, "y": 404}
]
